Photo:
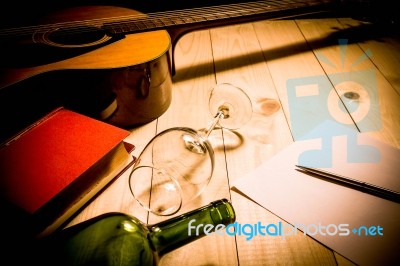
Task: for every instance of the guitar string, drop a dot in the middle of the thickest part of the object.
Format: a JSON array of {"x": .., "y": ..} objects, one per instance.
[
  {"x": 203, "y": 13},
  {"x": 162, "y": 15},
  {"x": 197, "y": 15},
  {"x": 251, "y": 7},
  {"x": 158, "y": 15}
]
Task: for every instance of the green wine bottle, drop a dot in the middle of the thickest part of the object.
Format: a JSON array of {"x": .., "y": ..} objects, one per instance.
[{"x": 121, "y": 239}]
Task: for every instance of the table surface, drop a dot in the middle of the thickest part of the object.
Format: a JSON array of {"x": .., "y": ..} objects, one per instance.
[{"x": 260, "y": 58}]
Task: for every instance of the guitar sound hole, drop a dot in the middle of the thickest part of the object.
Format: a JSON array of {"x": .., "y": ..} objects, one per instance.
[{"x": 77, "y": 36}]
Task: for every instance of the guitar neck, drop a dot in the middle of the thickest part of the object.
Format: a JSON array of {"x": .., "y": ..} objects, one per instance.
[
  {"x": 214, "y": 16},
  {"x": 177, "y": 22}
]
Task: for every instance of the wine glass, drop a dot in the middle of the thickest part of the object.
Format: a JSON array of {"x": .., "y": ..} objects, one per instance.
[{"x": 177, "y": 164}]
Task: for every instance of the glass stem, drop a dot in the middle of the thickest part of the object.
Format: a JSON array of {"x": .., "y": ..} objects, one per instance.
[{"x": 213, "y": 123}]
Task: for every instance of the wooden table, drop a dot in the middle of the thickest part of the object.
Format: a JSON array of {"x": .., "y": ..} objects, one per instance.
[{"x": 259, "y": 57}]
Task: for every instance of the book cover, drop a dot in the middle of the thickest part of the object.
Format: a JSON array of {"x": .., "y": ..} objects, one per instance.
[{"x": 55, "y": 166}]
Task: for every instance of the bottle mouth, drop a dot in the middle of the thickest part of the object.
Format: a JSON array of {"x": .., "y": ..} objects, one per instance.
[{"x": 223, "y": 212}]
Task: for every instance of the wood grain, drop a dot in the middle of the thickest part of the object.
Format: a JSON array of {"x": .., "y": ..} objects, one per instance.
[{"x": 260, "y": 58}]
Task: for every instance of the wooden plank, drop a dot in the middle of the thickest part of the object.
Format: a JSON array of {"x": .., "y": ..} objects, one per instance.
[
  {"x": 350, "y": 69},
  {"x": 239, "y": 60},
  {"x": 189, "y": 108},
  {"x": 289, "y": 58},
  {"x": 381, "y": 44}
]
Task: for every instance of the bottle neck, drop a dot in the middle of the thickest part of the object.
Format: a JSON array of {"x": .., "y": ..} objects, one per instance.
[{"x": 178, "y": 231}]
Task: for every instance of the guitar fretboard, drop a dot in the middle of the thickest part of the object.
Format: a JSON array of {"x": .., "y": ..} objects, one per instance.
[
  {"x": 74, "y": 33},
  {"x": 206, "y": 15}
]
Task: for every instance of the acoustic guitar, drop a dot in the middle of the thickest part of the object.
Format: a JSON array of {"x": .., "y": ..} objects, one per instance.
[{"x": 111, "y": 63}]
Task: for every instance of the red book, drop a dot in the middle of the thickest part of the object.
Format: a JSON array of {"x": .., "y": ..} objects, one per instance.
[{"x": 54, "y": 167}]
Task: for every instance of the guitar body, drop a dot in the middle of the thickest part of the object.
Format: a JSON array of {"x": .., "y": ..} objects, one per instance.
[
  {"x": 125, "y": 81},
  {"x": 111, "y": 63}
]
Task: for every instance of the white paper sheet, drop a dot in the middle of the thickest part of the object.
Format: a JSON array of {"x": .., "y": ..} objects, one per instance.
[{"x": 302, "y": 199}]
